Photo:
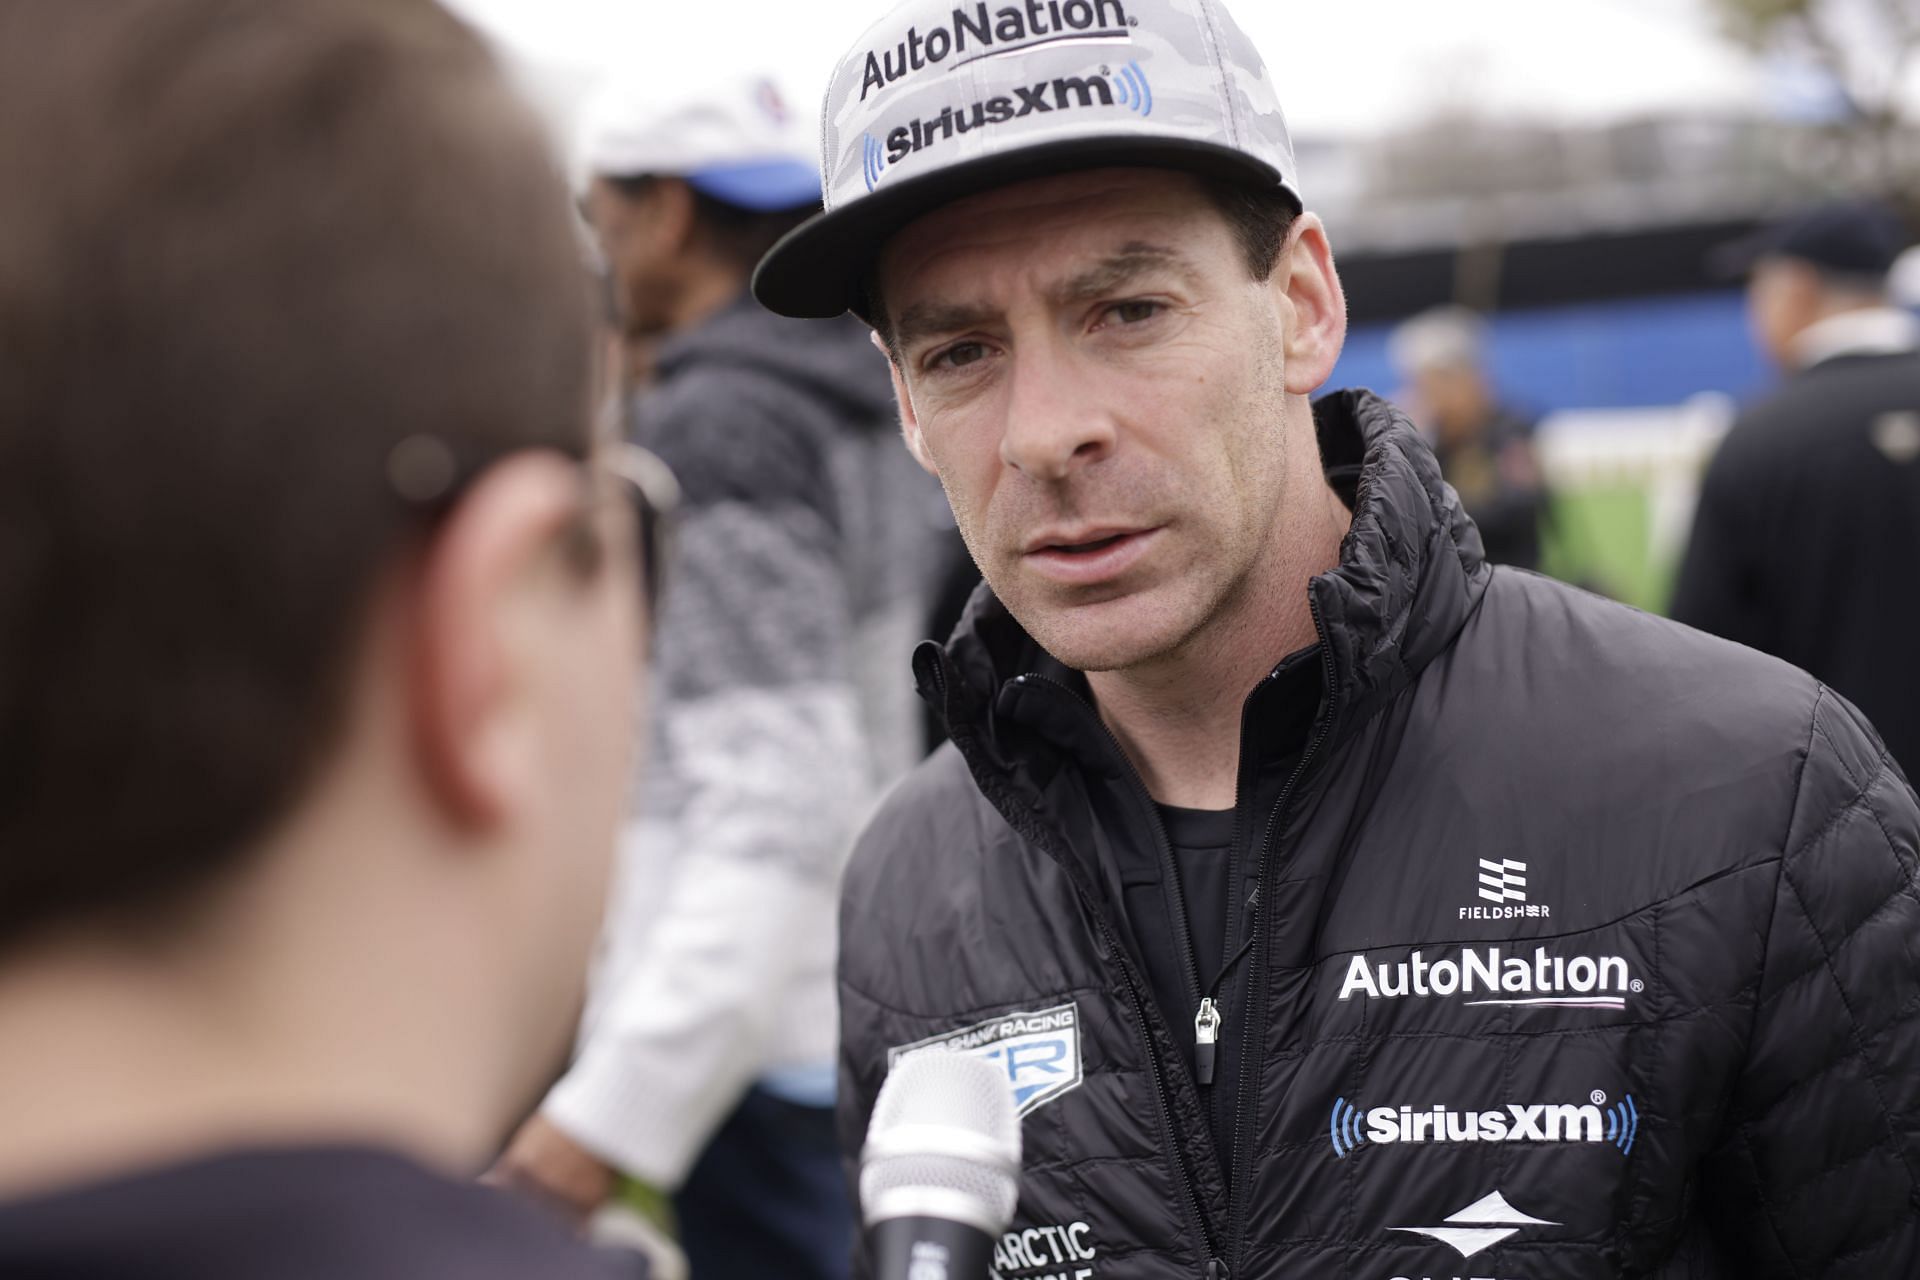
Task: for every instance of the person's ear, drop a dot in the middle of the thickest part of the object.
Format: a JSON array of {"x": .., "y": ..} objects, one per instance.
[
  {"x": 472, "y": 735},
  {"x": 1318, "y": 327},
  {"x": 909, "y": 421}
]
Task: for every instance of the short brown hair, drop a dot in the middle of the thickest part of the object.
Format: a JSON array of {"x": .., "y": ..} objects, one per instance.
[
  {"x": 248, "y": 247},
  {"x": 1259, "y": 219}
]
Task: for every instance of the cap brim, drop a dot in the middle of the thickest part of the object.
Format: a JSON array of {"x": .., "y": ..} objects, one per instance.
[
  {"x": 817, "y": 270},
  {"x": 764, "y": 186}
]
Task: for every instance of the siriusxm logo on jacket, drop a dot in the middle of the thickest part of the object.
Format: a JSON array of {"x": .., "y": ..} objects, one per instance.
[{"x": 1583, "y": 946}]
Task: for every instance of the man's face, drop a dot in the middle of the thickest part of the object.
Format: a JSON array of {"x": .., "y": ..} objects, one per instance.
[
  {"x": 1089, "y": 368},
  {"x": 1783, "y": 298},
  {"x": 635, "y": 234}
]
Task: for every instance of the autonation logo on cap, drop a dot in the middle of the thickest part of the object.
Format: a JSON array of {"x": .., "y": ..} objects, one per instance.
[{"x": 980, "y": 33}]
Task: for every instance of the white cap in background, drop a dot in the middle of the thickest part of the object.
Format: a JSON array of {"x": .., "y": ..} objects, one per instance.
[{"x": 737, "y": 144}]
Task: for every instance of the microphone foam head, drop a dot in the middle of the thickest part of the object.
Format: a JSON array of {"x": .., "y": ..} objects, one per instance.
[{"x": 944, "y": 1142}]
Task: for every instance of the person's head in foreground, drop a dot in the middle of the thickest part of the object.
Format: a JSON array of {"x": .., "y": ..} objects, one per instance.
[
  {"x": 686, "y": 194},
  {"x": 320, "y": 600}
]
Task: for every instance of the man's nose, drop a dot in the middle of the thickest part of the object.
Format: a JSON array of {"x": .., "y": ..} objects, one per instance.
[{"x": 1056, "y": 423}]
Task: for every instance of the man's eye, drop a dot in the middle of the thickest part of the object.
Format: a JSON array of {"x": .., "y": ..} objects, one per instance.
[
  {"x": 1134, "y": 311},
  {"x": 959, "y": 356}
]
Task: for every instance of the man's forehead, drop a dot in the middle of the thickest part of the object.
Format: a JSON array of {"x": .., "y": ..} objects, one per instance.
[{"x": 1058, "y": 233}]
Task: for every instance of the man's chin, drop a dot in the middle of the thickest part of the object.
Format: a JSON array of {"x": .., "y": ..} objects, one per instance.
[{"x": 1113, "y": 635}]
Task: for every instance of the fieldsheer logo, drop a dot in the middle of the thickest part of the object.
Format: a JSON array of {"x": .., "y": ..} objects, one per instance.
[
  {"x": 1039, "y": 1050},
  {"x": 1127, "y": 87},
  {"x": 972, "y": 34},
  {"x": 1479, "y": 1226},
  {"x": 1503, "y": 882},
  {"x": 1352, "y": 1127},
  {"x": 1584, "y": 982}
]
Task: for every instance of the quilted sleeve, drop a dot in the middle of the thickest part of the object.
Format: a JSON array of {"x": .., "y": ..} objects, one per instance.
[
  {"x": 860, "y": 1078},
  {"x": 1820, "y": 1171}
]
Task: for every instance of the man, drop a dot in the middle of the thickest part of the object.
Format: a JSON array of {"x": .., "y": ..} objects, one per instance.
[
  {"x": 1485, "y": 450},
  {"x": 1807, "y": 536},
  {"x": 1337, "y": 904},
  {"x": 319, "y": 625},
  {"x": 706, "y": 1065}
]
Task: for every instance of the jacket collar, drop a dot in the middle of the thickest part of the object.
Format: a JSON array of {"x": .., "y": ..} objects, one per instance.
[{"x": 1411, "y": 571}]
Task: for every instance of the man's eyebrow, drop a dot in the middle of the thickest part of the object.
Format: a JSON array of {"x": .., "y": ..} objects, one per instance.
[
  {"x": 1134, "y": 259},
  {"x": 931, "y": 319}
]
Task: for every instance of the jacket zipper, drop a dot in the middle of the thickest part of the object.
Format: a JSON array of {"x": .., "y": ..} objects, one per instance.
[
  {"x": 1242, "y": 1168},
  {"x": 1216, "y": 1269}
]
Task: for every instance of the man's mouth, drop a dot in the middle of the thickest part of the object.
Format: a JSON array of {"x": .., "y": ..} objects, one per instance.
[
  {"x": 1096, "y": 544},
  {"x": 1086, "y": 557}
]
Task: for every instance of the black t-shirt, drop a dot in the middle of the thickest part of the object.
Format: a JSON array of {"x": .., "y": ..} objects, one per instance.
[
  {"x": 321, "y": 1213},
  {"x": 1203, "y": 844}
]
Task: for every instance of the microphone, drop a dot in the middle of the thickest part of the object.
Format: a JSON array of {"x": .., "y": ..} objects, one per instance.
[{"x": 940, "y": 1172}]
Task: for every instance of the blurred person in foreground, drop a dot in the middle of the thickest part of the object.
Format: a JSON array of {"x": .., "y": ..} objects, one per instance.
[
  {"x": 320, "y": 621},
  {"x": 1806, "y": 542},
  {"x": 807, "y": 553},
  {"x": 1485, "y": 448},
  {"x": 1336, "y": 903}
]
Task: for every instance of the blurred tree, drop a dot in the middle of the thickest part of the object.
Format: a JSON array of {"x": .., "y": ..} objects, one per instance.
[{"x": 1865, "y": 50}]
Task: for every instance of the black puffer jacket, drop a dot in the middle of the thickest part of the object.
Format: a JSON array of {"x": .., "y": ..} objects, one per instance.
[{"x": 1587, "y": 945}]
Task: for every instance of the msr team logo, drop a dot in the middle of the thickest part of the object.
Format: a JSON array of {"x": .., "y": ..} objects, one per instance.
[
  {"x": 1479, "y": 1226},
  {"x": 1040, "y": 1051},
  {"x": 1595, "y": 1121}
]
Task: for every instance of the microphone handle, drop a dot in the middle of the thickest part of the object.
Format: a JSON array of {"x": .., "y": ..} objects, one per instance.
[{"x": 917, "y": 1248}]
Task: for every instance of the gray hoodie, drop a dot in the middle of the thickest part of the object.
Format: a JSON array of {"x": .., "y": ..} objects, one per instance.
[{"x": 809, "y": 547}]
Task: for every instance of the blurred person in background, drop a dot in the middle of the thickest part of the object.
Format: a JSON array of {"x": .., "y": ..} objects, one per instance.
[
  {"x": 1485, "y": 448},
  {"x": 808, "y": 553},
  {"x": 321, "y": 619},
  {"x": 1806, "y": 541}
]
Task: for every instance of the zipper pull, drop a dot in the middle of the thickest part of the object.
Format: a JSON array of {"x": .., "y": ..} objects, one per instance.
[
  {"x": 1206, "y": 1037},
  {"x": 1216, "y": 1269}
]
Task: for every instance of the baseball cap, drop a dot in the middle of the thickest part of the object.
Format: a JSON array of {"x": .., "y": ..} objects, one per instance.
[
  {"x": 737, "y": 144},
  {"x": 940, "y": 99},
  {"x": 1855, "y": 238}
]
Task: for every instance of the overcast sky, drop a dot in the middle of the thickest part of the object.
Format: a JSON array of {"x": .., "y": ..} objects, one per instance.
[{"x": 1345, "y": 66}]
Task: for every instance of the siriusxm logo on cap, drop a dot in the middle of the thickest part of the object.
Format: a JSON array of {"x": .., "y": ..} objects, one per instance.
[
  {"x": 1128, "y": 86},
  {"x": 978, "y": 33},
  {"x": 940, "y": 100}
]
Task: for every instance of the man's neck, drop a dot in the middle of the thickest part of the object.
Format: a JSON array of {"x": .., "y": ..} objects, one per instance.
[
  {"x": 146, "y": 1058},
  {"x": 1178, "y": 718}
]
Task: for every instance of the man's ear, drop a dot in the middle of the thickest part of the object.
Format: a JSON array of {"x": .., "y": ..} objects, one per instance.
[
  {"x": 1319, "y": 308},
  {"x": 909, "y": 421},
  {"x": 467, "y": 679}
]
